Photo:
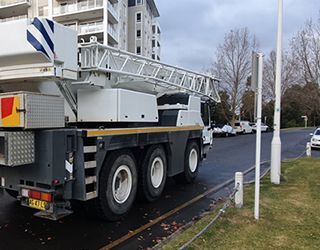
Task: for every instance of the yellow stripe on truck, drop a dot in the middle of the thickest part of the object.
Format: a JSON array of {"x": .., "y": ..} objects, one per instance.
[{"x": 128, "y": 131}]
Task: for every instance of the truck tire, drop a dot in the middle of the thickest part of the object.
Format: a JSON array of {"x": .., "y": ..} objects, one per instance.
[
  {"x": 117, "y": 186},
  {"x": 191, "y": 164},
  {"x": 153, "y": 174},
  {"x": 12, "y": 193}
]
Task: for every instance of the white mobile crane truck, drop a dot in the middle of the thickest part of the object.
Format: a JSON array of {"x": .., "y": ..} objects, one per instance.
[{"x": 91, "y": 123}]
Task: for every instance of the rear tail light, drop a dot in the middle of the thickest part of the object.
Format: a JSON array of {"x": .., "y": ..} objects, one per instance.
[
  {"x": 36, "y": 195},
  {"x": 46, "y": 197}
]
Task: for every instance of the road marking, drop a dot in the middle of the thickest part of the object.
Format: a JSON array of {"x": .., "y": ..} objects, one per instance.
[{"x": 173, "y": 211}]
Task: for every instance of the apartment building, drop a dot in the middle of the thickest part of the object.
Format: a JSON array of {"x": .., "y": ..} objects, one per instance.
[
  {"x": 142, "y": 16},
  {"x": 108, "y": 20}
]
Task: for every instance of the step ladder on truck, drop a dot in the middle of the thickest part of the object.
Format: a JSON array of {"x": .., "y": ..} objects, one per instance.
[{"x": 92, "y": 123}]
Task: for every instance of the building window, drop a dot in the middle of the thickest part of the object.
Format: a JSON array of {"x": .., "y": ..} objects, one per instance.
[
  {"x": 138, "y": 33},
  {"x": 153, "y": 29},
  {"x": 153, "y": 43},
  {"x": 153, "y": 56},
  {"x": 138, "y": 17},
  {"x": 139, "y": 2},
  {"x": 138, "y": 50}
]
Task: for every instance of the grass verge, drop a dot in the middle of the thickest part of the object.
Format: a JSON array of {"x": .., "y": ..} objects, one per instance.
[{"x": 289, "y": 215}]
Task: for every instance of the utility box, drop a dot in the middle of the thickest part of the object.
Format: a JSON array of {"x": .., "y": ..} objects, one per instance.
[
  {"x": 31, "y": 111},
  {"x": 17, "y": 148},
  {"x": 116, "y": 105}
]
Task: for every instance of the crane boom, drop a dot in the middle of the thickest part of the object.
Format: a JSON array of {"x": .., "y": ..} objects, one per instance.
[{"x": 143, "y": 74}]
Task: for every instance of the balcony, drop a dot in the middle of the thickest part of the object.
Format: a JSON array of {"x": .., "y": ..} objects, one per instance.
[
  {"x": 112, "y": 14},
  {"x": 90, "y": 28},
  {"x": 86, "y": 30},
  {"x": 11, "y": 8},
  {"x": 13, "y": 18},
  {"x": 156, "y": 50},
  {"x": 113, "y": 36},
  {"x": 80, "y": 10}
]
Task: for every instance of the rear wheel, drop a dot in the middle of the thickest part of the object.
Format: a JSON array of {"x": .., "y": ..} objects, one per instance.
[
  {"x": 117, "y": 186},
  {"x": 153, "y": 174},
  {"x": 191, "y": 164}
]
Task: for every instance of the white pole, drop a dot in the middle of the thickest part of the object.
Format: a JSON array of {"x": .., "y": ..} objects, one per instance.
[
  {"x": 238, "y": 198},
  {"x": 258, "y": 136},
  {"x": 308, "y": 149},
  {"x": 306, "y": 122},
  {"x": 276, "y": 141}
]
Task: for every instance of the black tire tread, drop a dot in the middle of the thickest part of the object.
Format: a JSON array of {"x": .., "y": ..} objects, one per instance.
[
  {"x": 185, "y": 177},
  {"x": 97, "y": 203},
  {"x": 143, "y": 193}
]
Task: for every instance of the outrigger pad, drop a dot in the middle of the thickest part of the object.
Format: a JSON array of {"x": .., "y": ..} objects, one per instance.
[{"x": 57, "y": 215}]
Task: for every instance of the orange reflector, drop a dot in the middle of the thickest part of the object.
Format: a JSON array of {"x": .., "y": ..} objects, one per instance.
[{"x": 46, "y": 197}]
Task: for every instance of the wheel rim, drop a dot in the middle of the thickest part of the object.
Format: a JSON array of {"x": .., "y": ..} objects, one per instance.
[
  {"x": 122, "y": 184},
  {"x": 193, "y": 160},
  {"x": 156, "y": 172}
]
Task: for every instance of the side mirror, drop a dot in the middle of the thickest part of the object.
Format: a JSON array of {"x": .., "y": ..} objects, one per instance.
[
  {"x": 212, "y": 125},
  {"x": 311, "y": 134}
]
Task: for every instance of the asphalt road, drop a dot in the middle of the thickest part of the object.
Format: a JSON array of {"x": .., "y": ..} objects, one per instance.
[{"x": 20, "y": 230}]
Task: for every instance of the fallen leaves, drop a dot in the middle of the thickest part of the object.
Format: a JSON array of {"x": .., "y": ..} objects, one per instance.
[{"x": 172, "y": 227}]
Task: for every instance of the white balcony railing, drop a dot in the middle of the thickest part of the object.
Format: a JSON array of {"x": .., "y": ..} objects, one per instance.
[
  {"x": 112, "y": 10},
  {"x": 93, "y": 27},
  {"x": 12, "y": 2},
  {"x": 113, "y": 32},
  {"x": 13, "y": 18},
  {"x": 78, "y": 6}
]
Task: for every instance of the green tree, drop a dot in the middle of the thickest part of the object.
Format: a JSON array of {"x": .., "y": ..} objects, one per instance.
[
  {"x": 268, "y": 113},
  {"x": 221, "y": 113},
  {"x": 247, "y": 107}
]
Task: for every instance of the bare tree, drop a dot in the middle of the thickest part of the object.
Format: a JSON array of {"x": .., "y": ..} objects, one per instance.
[
  {"x": 233, "y": 65},
  {"x": 306, "y": 48},
  {"x": 290, "y": 74}
]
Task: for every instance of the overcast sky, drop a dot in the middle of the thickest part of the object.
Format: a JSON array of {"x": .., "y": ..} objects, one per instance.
[{"x": 192, "y": 29}]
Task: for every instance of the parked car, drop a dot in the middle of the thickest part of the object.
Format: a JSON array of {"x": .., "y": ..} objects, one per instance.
[
  {"x": 315, "y": 139},
  {"x": 242, "y": 127},
  {"x": 220, "y": 130},
  {"x": 217, "y": 129},
  {"x": 264, "y": 127},
  {"x": 228, "y": 130}
]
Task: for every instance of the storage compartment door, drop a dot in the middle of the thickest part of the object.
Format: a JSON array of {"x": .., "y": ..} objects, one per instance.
[{"x": 12, "y": 111}]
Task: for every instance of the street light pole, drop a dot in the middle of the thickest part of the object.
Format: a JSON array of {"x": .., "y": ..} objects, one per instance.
[
  {"x": 276, "y": 141},
  {"x": 258, "y": 137}
]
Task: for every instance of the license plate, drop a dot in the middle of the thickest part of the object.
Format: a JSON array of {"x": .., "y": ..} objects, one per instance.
[{"x": 41, "y": 205}]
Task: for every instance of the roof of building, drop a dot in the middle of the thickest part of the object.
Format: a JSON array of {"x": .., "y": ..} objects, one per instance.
[{"x": 154, "y": 8}]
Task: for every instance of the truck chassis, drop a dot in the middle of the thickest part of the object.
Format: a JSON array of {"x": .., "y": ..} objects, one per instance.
[{"x": 71, "y": 164}]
